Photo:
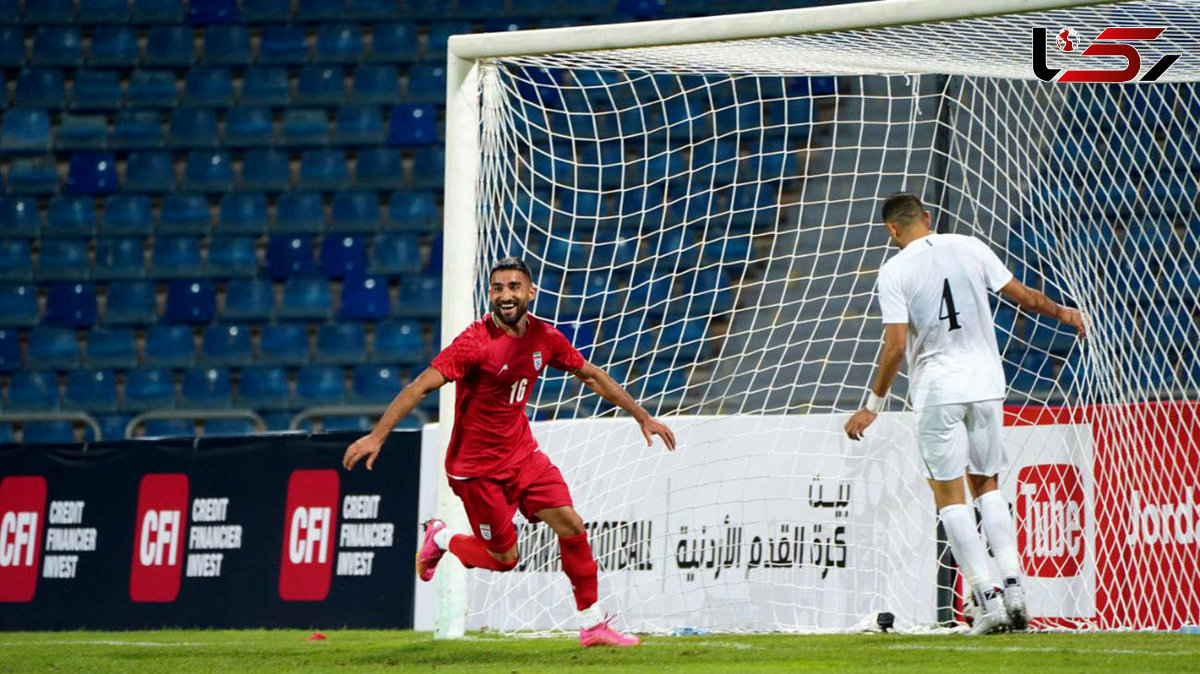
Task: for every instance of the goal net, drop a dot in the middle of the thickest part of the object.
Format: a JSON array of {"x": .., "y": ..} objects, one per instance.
[{"x": 702, "y": 221}]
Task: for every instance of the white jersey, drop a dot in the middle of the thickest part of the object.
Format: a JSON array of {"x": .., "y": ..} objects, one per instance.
[{"x": 938, "y": 285}]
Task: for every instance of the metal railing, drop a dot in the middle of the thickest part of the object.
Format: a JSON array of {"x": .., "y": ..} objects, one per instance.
[
  {"x": 260, "y": 426},
  {"x": 26, "y": 417}
]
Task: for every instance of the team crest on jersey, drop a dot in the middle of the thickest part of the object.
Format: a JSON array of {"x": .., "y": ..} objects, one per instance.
[
  {"x": 485, "y": 530},
  {"x": 537, "y": 360}
]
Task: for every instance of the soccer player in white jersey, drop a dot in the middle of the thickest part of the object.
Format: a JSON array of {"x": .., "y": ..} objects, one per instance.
[{"x": 934, "y": 301}]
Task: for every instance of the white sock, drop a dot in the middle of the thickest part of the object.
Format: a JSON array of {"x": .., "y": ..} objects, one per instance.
[
  {"x": 589, "y": 617},
  {"x": 1001, "y": 532},
  {"x": 959, "y": 522},
  {"x": 442, "y": 538}
]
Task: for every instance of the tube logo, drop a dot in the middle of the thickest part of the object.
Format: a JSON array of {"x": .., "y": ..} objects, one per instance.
[
  {"x": 158, "y": 548},
  {"x": 309, "y": 520},
  {"x": 22, "y": 514},
  {"x": 1050, "y": 520}
]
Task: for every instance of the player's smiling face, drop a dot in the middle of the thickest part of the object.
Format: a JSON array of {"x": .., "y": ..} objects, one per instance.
[{"x": 511, "y": 291}]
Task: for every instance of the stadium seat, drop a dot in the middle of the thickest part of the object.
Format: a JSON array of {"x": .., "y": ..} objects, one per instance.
[
  {"x": 175, "y": 257},
  {"x": 283, "y": 44},
  {"x": 380, "y": 168},
  {"x": 112, "y": 426},
  {"x": 149, "y": 388},
  {"x": 157, "y": 11},
  {"x": 208, "y": 87},
  {"x": 335, "y": 423},
  {"x": 413, "y": 124},
  {"x": 25, "y": 130},
  {"x": 93, "y": 173},
  {"x": 137, "y": 130},
  {"x": 40, "y": 88},
  {"x": 150, "y": 172},
  {"x": 338, "y": 43},
  {"x": 226, "y": 345},
  {"x": 419, "y": 296},
  {"x": 237, "y": 426},
  {"x": 439, "y": 33},
  {"x": 376, "y": 85},
  {"x": 341, "y": 344},
  {"x": 59, "y": 46},
  {"x": 284, "y": 344},
  {"x": 320, "y": 10},
  {"x": 168, "y": 428},
  {"x": 70, "y": 217},
  {"x": 91, "y": 391},
  {"x": 18, "y": 305},
  {"x": 33, "y": 176},
  {"x": 12, "y": 48},
  {"x": 320, "y": 385},
  {"x": 48, "y": 433},
  {"x": 10, "y": 350},
  {"x": 204, "y": 12},
  {"x": 227, "y": 45},
  {"x": 130, "y": 303},
  {"x": 257, "y": 11},
  {"x": 71, "y": 304},
  {"x": 109, "y": 348},
  {"x": 205, "y": 171},
  {"x": 114, "y": 47},
  {"x": 323, "y": 170},
  {"x": 152, "y": 89},
  {"x": 33, "y": 391},
  {"x": 103, "y": 11},
  {"x": 265, "y": 171},
  {"x": 399, "y": 342},
  {"x": 342, "y": 255},
  {"x": 192, "y": 302},
  {"x": 305, "y": 298},
  {"x": 248, "y": 127},
  {"x": 412, "y": 212},
  {"x": 62, "y": 259},
  {"x": 182, "y": 214},
  {"x": 374, "y": 384},
  {"x": 127, "y": 214},
  {"x": 372, "y": 9},
  {"x": 355, "y": 212},
  {"x": 16, "y": 260},
  {"x": 427, "y": 83},
  {"x": 319, "y": 85},
  {"x": 289, "y": 255},
  {"x": 364, "y": 298},
  {"x": 265, "y": 86},
  {"x": 429, "y": 166},
  {"x": 394, "y": 42},
  {"x": 264, "y": 388},
  {"x": 248, "y": 301},
  {"x": 53, "y": 348},
  {"x": 206, "y": 388},
  {"x": 169, "y": 46},
  {"x": 299, "y": 212},
  {"x": 358, "y": 125},
  {"x": 171, "y": 346},
  {"x": 82, "y": 132},
  {"x": 119, "y": 258},
  {"x": 231, "y": 256},
  {"x": 19, "y": 217},
  {"x": 395, "y": 254},
  {"x": 302, "y": 127},
  {"x": 243, "y": 214}
]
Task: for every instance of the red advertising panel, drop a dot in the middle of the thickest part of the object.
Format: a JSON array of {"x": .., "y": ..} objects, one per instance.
[
  {"x": 159, "y": 545},
  {"x": 310, "y": 517},
  {"x": 22, "y": 521}
]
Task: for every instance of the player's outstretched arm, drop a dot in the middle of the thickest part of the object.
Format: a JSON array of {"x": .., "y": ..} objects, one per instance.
[
  {"x": 368, "y": 446},
  {"x": 894, "y": 335},
  {"x": 1036, "y": 302},
  {"x": 606, "y": 387}
]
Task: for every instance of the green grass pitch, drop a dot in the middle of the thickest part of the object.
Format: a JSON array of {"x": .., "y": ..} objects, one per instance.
[{"x": 183, "y": 651}]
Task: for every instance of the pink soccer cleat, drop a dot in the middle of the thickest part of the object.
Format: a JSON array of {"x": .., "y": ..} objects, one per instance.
[
  {"x": 429, "y": 554},
  {"x": 602, "y": 634}
]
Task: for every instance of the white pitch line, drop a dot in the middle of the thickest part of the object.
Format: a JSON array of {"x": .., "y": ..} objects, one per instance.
[{"x": 1036, "y": 649}]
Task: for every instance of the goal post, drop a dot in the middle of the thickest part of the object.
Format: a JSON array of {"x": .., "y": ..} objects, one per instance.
[{"x": 698, "y": 199}]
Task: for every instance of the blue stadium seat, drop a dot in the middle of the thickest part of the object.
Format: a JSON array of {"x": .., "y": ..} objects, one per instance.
[
  {"x": 320, "y": 10},
  {"x": 103, "y": 11},
  {"x": 264, "y": 388},
  {"x": 19, "y": 217},
  {"x": 119, "y": 258},
  {"x": 377, "y": 85},
  {"x": 16, "y": 260},
  {"x": 59, "y": 46},
  {"x": 175, "y": 257},
  {"x": 243, "y": 214},
  {"x": 323, "y": 170},
  {"x": 395, "y": 254},
  {"x": 283, "y": 44},
  {"x": 149, "y": 388},
  {"x": 301, "y": 127},
  {"x": 380, "y": 168},
  {"x": 339, "y": 43},
  {"x": 18, "y": 305},
  {"x": 206, "y": 388},
  {"x": 237, "y": 426},
  {"x": 320, "y": 385},
  {"x": 232, "y": 256},
  {"x": 62, "y": 259},
  {"x": 127, "y": 214},
  {"x": 227, "y": 45},
  {"x": 342, "y": 255},
  {"x": 91, "y": 391},
  {"x": 205, "y": 171},
  {"x": 33, "y": 176},
  {"x": 70, "y": 217},
  {"x": 191, "y": 302},
  {"x": 204, "y": 12},
  {"x": 138, "y": 130},
  {"x": 319, "y": 85},
  {"x": 305, "y": 298},
  {"x": 422, "y": 296},
  {"x": 112, "y": 426},
  {"x": 373, "y": 9},
  {"x": 12, "y": 47},
  {"x": 25, "y": 130},
  {"x": 168, "y": 428},
  {"x": 283, "y": 344},
  {"x": 256, "y": 11},
  {"x": 429, "y": 166},
  {"x": 181, "y": 214},
  {"x": 248, "y": 301},
  {"x": 208, "y": 86},
  {"x": 265, "y": 171},
  {"x": 109, "y": 348},
  {"x": 399, "y": 342},
  {"x": 169, "y": 46},
  {"x": 346, "y": 423},
  {"x": 157, "y": 11},
  {"x": 114, "y": 47},
  {"x": 413, "y": 124},
  {"x": 40, "y": 88},
  {"x": 358, "y": 125},
  {"x": 289, "y": 255},
  {"x": 71, "y": 304},
  {"x": 10, "y": 350},
  {"x": 172, "y": 346},
  {"x": 226, "y": 345},
  {"x": 374, "y": 384},
  {"x": 82, "y": 132},
  {"x": 152, "y": 89},
  {"x": 248, "y": 127},
  {"x": 265, "y": 86},
  {"x": 439, "y": 33},
  {"x": 299, "y": 212},
  {"x": 130, "y": 303},
  {"x": 93, "y": 173},
  {"x": 48, "y": 433},
  {"x": 427, "y": 83},
  {"x": 341, "y": 344},
  {"x": 33, "y": 391},
  {"x": 393, "y": 42},
  {"x": 150, "y": 172},
  {"x": 355, "y": 212},
  {"x": 7, "y": 436},
  {"x": 53, "y": 348},
  {"x": 365, "y": 299}
]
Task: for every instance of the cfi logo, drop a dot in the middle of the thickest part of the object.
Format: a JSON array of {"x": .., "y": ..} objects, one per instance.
[
  {"x": 158, "y": 539},
  {"x": 309, "y": 519},
  {"x": 1067, "y": 39},
  {"x": 1050, "y": 520},
  {"x": 22, "y": 512},
  {"x": 537, "y": 360}
]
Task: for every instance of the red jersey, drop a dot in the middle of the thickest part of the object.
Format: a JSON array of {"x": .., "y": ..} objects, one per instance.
[{"x": 495, "y": 373}]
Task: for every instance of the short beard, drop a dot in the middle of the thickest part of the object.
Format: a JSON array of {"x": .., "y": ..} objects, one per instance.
[{"x": 500, "y": 315}]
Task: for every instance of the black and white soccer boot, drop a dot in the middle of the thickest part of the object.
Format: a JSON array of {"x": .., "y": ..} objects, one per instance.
[
  {"x": 1014, "y": 605},
  {"x": 993, "y": 617}
]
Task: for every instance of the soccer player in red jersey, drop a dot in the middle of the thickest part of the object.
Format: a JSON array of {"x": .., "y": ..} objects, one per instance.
[{"x": 493, "y": 462}]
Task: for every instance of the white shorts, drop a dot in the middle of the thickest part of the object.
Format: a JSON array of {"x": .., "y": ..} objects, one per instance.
[{"x": 962, "y": 435}]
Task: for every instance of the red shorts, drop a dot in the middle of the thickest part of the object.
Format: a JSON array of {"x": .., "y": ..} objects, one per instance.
[{"x": 533, "y": 484}]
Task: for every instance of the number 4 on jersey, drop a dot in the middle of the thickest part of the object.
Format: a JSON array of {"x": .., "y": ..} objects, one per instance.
[{"x": 948, "y": 302}]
